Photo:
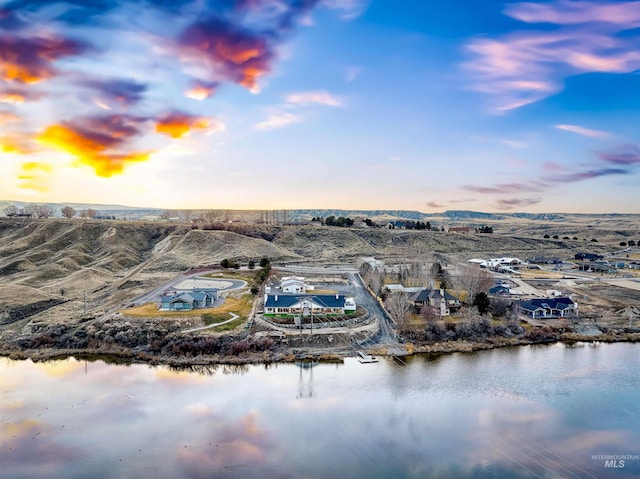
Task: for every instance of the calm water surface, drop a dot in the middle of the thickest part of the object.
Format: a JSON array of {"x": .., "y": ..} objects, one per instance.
[{"x": 529, "y": 412}]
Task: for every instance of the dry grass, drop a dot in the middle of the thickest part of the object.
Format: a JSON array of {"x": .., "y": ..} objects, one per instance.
[
  {"x": 150, "y": 310},
  {"x": 247, "y": 276},
  {"x": 240, "y": 306}
]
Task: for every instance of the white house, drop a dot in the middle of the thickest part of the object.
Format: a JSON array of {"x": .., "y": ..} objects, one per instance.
[
  {"x": 306, "y": 304},
  {"x": 293, "y": 284}
]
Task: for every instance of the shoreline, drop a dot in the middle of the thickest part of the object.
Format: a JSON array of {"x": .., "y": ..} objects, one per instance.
[{"x": 128, "y": 356}]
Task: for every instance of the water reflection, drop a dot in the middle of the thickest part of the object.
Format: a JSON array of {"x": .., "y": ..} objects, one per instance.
[{"x": 521, "y": 412}]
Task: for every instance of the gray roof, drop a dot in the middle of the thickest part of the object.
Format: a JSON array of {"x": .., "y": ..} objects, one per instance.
[
  {"x": 546, "y": 303},
  {"x": 288, "y": 300},
  {"x": 425, "y": 294}
]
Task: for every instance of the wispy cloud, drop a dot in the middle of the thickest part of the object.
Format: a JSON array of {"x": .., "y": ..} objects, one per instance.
[
  {"x": 19, "y": 95},
  {"x": 314, "y": 98},
  {"x": 573, "y": 177},
  {"x": 570, "y": 12},
  {"x": 114, "y": 94},
  {"x": 352, "y": 73},
  {"x": 620, "y": 162},
  {"x": 521, "y": 145},
  {"x": 349, "y": 9},
  {"x": 506, "y": 188},
  {"x": 35, "y": 176},
  {"x": 523, "y": 67},
  {"x": 628, "y": 155},
  {"x": 435, "y": 204},
  {"x": 278, "y": 120},
  {"x": 8, "y": 117},
  {"x": 580, "y": 130},
  {"x": 511, "y": 203}
]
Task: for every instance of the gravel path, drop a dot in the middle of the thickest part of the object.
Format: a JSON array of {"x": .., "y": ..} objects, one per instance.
[{"x": 233, "y": 318}]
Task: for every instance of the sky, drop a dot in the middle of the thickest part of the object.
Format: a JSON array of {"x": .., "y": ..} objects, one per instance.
[{"x": 353, "y": 104}]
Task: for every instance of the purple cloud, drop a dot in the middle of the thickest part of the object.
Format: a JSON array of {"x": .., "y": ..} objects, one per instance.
[
  {"x": 434, "y": 204},
  {"x": 574, "y": 177},
  {"x": 116, "y": 93},
  {"x": 524, "y": 67},
  {"x": 30, "y": 60},
  {"x": 511, "y": 203},
  {"x": 628, "y": 155},
  {"x": 506, "y": 188}
]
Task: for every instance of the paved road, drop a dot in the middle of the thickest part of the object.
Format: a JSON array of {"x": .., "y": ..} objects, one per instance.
[
  {"x": 154, "y": 295},
  {"x": 364, "y": 298}
]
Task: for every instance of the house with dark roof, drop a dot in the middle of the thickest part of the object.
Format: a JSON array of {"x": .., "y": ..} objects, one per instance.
[
  {"x": 544, "y": 308},
  {"x": 306, "y": 304},
  {"x": 597, "y": 267},
  {"x": 436, "y": 297},
  {"x": 588, "y": 256},
  {"x": 500, "y": 290},
  {"x": 188, "y": 300}
]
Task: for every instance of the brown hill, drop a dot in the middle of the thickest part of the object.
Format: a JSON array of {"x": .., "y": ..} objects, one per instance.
[{"x": 113, "y": 261}]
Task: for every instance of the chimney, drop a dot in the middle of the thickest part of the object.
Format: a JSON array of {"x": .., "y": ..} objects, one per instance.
[
  {"x": 337, "y": 296},
  {"x": 276, "y": 298}
]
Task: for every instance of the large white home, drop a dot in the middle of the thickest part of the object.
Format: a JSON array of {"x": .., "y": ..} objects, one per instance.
[
  {"x": 306, "y": 304},
  {"x": 496, "y": 263},
  {"x": 293, "y": 284}
]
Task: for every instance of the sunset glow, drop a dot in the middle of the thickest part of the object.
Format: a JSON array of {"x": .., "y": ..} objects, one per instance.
[{"x": 323, "y": 104}]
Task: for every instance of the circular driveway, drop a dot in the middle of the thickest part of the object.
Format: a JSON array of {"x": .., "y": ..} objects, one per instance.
[{"x": 208, "y": 283}]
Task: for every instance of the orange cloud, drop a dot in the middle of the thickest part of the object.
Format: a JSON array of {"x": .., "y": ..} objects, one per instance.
[
  {"x": 201, "y": 91},
  {"x": 29, "y": 60},
  {"x": 8, "y": 117},
  {"x": 177, "y": 124},
  {"x": 12, "y": 97},
  {"x": 101, "y": 142},
  {"x": 18, "y": 96},
  {"x": 34, "y": 176},
  {"x": 232, "y": 53},
  {"x": 16, "y": 143}
]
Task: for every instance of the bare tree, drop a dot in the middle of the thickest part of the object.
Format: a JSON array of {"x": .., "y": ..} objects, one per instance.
[
  {"x": 186, "y": 215},
  {"x": 430, "y": 314},
  {"x": 373, "y": 277},
  {"x": 399, "y": 307},
  {"x": 213, "y": 216},
  {"x": 29, "y": 209},
  {"x": 11, "y": 210},
  {"x": 473, "y": 279},
  {"x": 88, "y": 213},
  {"x": 168, "y": 214},
  {"x": 68, "y": 212},
  {"x": 43, "y": 211}
]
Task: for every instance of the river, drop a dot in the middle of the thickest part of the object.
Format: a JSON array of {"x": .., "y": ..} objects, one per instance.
[{"x": 528, "y": 412}]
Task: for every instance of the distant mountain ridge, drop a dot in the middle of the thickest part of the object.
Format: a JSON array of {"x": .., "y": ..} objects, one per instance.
[{"x": 138, "y": 212}]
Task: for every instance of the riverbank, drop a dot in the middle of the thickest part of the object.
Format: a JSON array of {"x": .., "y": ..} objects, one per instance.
[{"x": 289, "y": 355}]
